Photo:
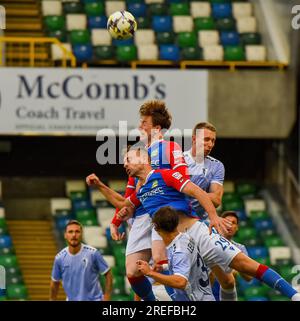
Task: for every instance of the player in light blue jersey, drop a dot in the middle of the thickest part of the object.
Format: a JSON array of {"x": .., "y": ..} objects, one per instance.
[
  {"x": 217, "y": 251},
  {"x": 78, "y": 267},
  {"x": 229, "y": 234},
  {"x": 188, "y": 273},
  {"x": 205, "y": 171}
]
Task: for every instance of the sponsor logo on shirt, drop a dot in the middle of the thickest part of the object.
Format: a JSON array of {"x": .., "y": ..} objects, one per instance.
[
  {"x": 178, "y": 176},
  {"x": 178, "y": 155},
  {"x": 154, "y": 184}
]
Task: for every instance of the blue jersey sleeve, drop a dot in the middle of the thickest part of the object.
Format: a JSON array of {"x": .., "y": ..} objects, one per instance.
[
  {"x": 56, "y": 270},
  {"x": 219, "y": 174},
  {"x": 181, "y": 264},
  {"x": 100, "y": 263}
]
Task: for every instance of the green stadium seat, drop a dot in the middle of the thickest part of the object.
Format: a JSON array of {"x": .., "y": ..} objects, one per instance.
[
  {"x": 53, "y": 23},
  {"x": 7, "y": 250},
  {"x": 244, "y": 224},
  {"x": 165, "y": 38},
  {"x": 73, "y": 7},
  {"x": 104, "y": 52},
  {"x": 226, "y": 24},
  {"x": 157, "y": 9},
  {"x": 3, "y": 230},
  {"x": 14, "y": 279},
  {"x": 228, "y": 196},
  {"x": 89, "y": 222},
  {"x": 255, "y": 291},
  {"x": 204, "y": 23},
  {"x": 233, "y": 205},
  {"x": 250, "y": 38},
  {"x": 143, "y": 22},
  {"x": 3, "y": 223},
  {"x": 278, "y": 298},
  {"x": 13, "y": 271},
  {"x": 286, "y": 272},
  {"x": 80, "y": 37},
  {"x": 8, "y": 261},
  {"x": 179, "y": 9},
  {"x": 85, "y": 214},
  {"x": 94, "y": 9},
  {"x": 254, "y": 215},
  {"x": 78, "y": 195},
  {"x": 191, "y": 53},
  {"x": 187, "y": 39},
  {"x": 273, "y": 240},
  {"x": 61, "y": 35},
  {"x": 126, "y": 53},
  {"x": 253, "y": 241},
  {"x": 234, "y": 53},
  {"x": 266, "y": 233},
  {"x": 121, "y": 298},
  {"x": 246, "y": 233},
  {"x": 245, "y": 189},
  {"x": 118, "y": 285},
  {"x": 17, "y": 292}
]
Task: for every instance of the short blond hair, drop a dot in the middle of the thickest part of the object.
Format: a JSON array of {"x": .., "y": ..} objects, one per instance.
[{"x": 204, "y": 125}]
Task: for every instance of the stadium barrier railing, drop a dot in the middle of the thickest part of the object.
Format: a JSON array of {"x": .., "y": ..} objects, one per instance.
[{"x": 29, "y": 49}]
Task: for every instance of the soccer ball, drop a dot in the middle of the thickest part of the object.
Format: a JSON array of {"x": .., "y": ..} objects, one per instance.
[{"x": 121, "y": 25}]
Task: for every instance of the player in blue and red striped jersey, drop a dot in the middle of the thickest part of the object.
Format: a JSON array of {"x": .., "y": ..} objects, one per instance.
[
  {"x": 161, "y": 188},
  {"x": 155, "y": 118}
]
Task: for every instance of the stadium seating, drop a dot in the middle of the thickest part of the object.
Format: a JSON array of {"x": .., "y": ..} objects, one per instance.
[
  {"x": 257, "y": 232},
  {"x": 89, "y": 207},
  {"x": 232, "y": 25},
  {"x": 15, "y": 287}
]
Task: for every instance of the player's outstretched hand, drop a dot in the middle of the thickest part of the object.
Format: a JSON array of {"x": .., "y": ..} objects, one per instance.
[
  {"x": 115, "y": 234},
  {"x": 143, "y": 267},
  {"x": 93, "y": 180},
  {"x": 220, "y": 224}
]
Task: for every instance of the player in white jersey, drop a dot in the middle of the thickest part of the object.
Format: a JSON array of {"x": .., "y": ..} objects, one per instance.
[
  {"x": 208, "y": 173},
  {"x": 78, "y": 266},
  {"x": 205, "y": 171},
  {"x": 188, "y": 272}
]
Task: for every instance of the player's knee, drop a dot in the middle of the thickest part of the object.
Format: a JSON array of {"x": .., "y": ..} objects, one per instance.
[
  {"x": 133, "y": 273},
  {"x": 227, "y": 281}
]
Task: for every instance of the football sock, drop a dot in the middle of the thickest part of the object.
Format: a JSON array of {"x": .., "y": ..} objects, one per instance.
[
  {"x": 142, "y": 287},
  {"x": 275, "y": 281},
  {"x": 228, "y": 294}
]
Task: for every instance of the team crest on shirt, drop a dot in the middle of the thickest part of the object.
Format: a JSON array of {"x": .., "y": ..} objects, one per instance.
[
  {"x": 154, "y": 153},
  {"x": 85, "y": 262},
  {"x": 154, "y": 184}
]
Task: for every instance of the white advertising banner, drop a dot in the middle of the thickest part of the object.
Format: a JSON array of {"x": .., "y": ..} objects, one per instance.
[{"x": 51, "y": 101}]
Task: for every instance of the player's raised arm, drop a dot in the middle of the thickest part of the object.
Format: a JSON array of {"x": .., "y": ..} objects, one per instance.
[
  {"x": 184, "y": 185},
  {"x": 116, "y": 199}
]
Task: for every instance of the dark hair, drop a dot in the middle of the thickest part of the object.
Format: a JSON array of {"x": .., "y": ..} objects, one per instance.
[
  {"x": 73, "y": 222},
  {"x": 158, "y": 111},
  {"x": 166, "y": 219},
  {"x": 203, "y": 125},
  {"x": 230, "y": 213},
  {"x": 140, "y": 149}
]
